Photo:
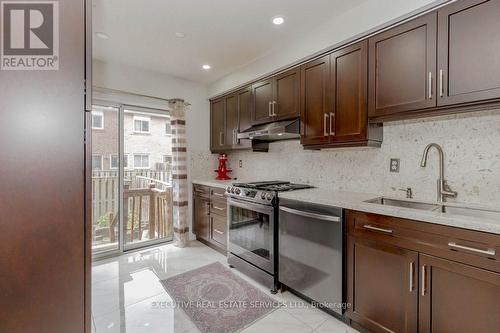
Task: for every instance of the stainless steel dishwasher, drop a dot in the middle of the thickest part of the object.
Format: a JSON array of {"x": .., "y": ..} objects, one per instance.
[{"x": 311, "y": 251}]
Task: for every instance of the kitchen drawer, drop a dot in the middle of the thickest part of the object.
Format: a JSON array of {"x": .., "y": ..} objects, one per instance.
[
  {"x": 217, "y": 193},
  {"x": 201, "y": 190},
  {"x": 218, "y": 207},
  {"x": 219, "y": 226},
  {"x": 468, "y": 246}
]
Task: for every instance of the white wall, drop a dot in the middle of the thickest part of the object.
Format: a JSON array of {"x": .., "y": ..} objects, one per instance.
[
  {"x": 365, "y": 17},
  {"x": 133, "y": 80}
]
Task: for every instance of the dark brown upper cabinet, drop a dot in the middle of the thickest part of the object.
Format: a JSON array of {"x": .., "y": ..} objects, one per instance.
[
  {"x": 334, "y": 100},
  {"x": 245, "y": 108},
  {"x": 217, "y": 124},
  {"x": 468, "y": 51},
  {"x": 262, "y": 99},
  {"x": 229, "y": 115},
  {"x": 232, "y": 121},
  {"x": 276, "y": 98},
  {"x": 349, "y": 98},
  {"x": 402, "y": 68},
  {"x": 286, "y": 95},
  {"x": 315, "y": 102}
]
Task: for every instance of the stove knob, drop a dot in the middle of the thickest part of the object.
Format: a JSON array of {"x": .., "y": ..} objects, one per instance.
[
  {"x": 237, "y": 191},
  {"x": 228, "y": 189},
  {"x": 269, "y": 196},
  {"x": 263, "y": 196},
  {"x": 232, "y": 190}
]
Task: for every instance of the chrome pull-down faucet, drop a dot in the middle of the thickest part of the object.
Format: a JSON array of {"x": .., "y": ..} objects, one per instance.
[{"x": 443, "y": 190}]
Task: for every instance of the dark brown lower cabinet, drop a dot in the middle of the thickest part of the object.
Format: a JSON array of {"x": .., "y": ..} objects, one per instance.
[
  {"x": 210, "y": 216},
  {"x": 457, "y": 298},
  {"x": 409, "y": 276},
  {"x": 201, "y": 217},
  {"x": 383, "y": 289}
]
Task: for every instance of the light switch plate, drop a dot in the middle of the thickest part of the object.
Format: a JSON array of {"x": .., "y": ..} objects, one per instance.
[
  {"x": 240, "y": 163},
  {"x": 394, "y": 167}
]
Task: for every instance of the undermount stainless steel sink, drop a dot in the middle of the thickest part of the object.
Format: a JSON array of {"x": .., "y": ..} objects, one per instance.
[
  {"x": 404, "y": 204},
  {"x": 471, "y": 212},
  {"x": 445, "y": 208}
]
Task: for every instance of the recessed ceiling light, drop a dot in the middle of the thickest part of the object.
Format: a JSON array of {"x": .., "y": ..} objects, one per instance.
[
  {"x": 102, "y": 35},
  {"x": 278, "y": 20},
  {"x": 180, "y": 35},
  {"x": 206, "y": 67}
]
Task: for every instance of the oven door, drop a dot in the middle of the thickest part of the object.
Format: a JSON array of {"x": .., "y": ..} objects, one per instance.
[{"x": 251, "y": 233}]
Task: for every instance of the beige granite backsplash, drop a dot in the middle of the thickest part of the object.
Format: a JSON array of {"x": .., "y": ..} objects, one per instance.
[{"x": 471, "y": 142}]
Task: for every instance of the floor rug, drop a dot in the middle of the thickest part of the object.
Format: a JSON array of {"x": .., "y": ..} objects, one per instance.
[{"x": 217, "y": 300}]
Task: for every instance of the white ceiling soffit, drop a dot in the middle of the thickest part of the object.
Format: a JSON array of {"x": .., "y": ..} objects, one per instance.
[{"x": 225, "y": 34}]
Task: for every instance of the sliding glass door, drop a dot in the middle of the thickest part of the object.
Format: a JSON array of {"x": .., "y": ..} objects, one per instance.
[
  {"x": 147, "y": 192},
  {"x": 131, "y": 178}
]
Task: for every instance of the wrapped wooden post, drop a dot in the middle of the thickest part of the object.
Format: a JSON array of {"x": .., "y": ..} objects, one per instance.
[{"x": 179, "y": 171}]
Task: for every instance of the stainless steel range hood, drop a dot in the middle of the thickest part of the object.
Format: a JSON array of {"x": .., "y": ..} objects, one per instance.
[{"x": 279, "y": 130}]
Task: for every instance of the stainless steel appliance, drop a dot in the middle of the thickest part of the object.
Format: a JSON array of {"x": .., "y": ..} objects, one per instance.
[
  {"x": 311, "y": 252},
  {"x": 252, "y": 225}
]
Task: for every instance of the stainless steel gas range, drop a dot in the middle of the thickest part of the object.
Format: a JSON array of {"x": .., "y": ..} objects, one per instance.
[{"x": 253, "y": 228}]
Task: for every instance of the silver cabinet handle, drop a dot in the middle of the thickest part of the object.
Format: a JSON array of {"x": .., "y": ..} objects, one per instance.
[
  {"x": 274, "y": 111},
  {"x": 373, "y": 228},
  {"x": 310, "y": 215},
  {"x": 441, "y": 91},
  {"x": 218, "y": 208},
  {"x": 269, "y": 106},
  {"x": 332, "y": 127},
  {"x": 221, "y": 139},
  {"x": 217, "y": 194},
  {"x": 489, "y": 252},
  {"x": 218, "y": 231},
  {"x": 424, "y": 282},
  {"x": 325, "y": 121},
  {"x": 412, "y": 264},
  {"x": 430, "y": 85}
]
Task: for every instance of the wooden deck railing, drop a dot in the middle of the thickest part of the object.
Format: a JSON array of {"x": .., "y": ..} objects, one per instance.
[{"x": 147, "y": 205}]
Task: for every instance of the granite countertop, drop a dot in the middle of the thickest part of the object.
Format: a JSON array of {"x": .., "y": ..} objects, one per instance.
[{"x": 355, "y": 201}]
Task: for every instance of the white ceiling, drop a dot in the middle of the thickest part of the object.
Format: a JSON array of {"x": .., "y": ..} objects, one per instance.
[{"x": 226, "y": 34}]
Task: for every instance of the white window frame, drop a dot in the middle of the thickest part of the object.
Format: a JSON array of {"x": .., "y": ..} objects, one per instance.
[
  {"x": 125, "y": 158},
  {"x": 98, "y": 113},
  {"x": 102, "y": 164},
  {"x": 142, "y": 118},
  {"x": 142, "y": 154}
]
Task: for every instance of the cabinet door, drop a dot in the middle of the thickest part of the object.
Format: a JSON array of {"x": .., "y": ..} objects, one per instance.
[
  {"x": 286, "y": 95},
  {"x": 218, "y": 230},
  {"x": 217, "y": 124},
  {"x": 231, "y": 128},
  {"x": 262, "y": 97},
  {"x": 349, "y": 79},
  {"x": 315, "y": 103},
  {"x": 403, "y": 68},
  {"x": 201, "y": 217},
  {"x": 457, "y": 298},
  {"x": 468, "y": 51},
  {"x": 382, "y": 286},
  {"x": 244, "y": 108}
]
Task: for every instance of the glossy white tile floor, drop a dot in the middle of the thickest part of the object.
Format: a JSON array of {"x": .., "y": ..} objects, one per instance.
[{"x": 127, "y": 289}]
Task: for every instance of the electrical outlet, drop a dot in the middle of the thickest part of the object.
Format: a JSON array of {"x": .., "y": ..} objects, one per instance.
[
  {"x": 240, "y": 163},
  {"x": 394, "y": 167}
]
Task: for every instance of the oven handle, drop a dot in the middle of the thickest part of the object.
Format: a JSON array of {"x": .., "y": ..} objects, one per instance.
[
  {"x": 251, "y": 206},
  {"x": 328, "y": 218}
]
